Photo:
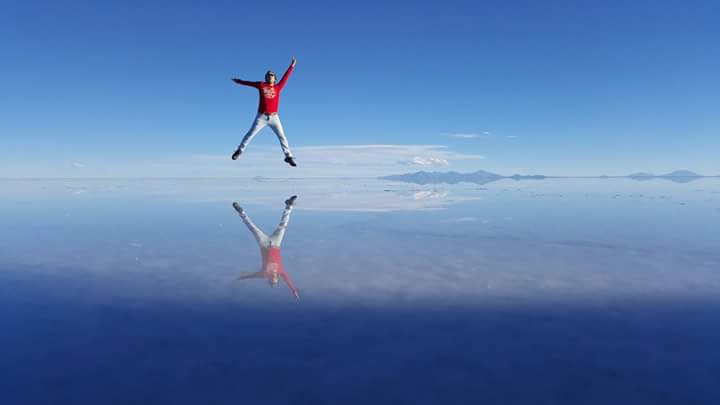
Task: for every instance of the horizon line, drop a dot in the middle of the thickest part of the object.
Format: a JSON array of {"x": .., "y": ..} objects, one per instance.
[{"x": 260, "y": 178}]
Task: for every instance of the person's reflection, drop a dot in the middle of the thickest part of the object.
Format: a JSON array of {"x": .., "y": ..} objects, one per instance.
[{"x": 272, "y": 267}]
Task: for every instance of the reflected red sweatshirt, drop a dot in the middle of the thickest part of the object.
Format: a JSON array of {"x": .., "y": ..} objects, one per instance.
[
  {"x": 269, "y": 94},
  {"x": 271, "y": 255}
]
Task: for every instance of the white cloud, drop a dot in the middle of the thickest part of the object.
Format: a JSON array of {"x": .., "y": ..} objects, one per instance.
[
  {"x": 465, "y": 219},
  {"x": 425, "y": 161},
  {"x": 327, "y": 161},
  {"x": 429, "y": 194},
  {"x": 316, "y": 194},
  {"x": 468, "y": 135},
  {"x": 378, "y": 158},
  {"x": 368, "y": 160},
  {"x": 464, "y": 135}
]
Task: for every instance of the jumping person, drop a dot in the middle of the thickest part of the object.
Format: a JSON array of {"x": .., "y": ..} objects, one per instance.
[
  {"x": 268, "y": 112},
  {"x": 272, "y": 267}
]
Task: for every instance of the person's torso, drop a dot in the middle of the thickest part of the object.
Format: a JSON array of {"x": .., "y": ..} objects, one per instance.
[
  {"x": 271, "y": 256},
  {"x": 269, "y": 97}
]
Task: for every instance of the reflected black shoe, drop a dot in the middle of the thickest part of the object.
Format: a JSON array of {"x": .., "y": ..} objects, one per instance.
[
  {"x": 236, "y": 154},
  {"x": 238, "y": 208},
  {"x": 290, "y": 201},
  {"x": 289, "y": 160}
]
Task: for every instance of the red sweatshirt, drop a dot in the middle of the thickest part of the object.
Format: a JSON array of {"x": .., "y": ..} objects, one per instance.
[
  {"x": 271, "y": 255},
  {"x": 269, "y": 93}
]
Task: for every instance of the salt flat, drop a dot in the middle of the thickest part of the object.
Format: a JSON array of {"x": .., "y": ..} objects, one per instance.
[{"x": 548, "y": 291}]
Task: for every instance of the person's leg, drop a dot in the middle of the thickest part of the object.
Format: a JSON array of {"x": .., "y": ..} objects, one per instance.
[
  {"x": 277, "y": 236},
  {"x": 259, "y": 235},
  {"x": 277, "y": 127},
  {"x": 259, "y": 123}
]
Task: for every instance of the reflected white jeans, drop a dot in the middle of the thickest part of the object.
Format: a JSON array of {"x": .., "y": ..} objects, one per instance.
[
  {"x": 262, "y": 120},
  {"x": 275, "y": 239}
]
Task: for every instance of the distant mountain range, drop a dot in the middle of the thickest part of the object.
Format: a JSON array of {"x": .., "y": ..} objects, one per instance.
[
  {"x": 478, "y": 177},
  {"x": 642, "y": 175},
  {"x": 484, "y": 177},
  {"x": 678, "y": 176},
  {"x": 676, "y": 173}
]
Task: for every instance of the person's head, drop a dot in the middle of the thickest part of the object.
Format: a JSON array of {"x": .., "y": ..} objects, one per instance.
[
  {"x": 274, "y": 278},
  {"x": 270, "y": 77}
]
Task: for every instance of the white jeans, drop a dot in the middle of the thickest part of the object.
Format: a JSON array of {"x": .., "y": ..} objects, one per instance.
[{"x": 262, "y": 120}]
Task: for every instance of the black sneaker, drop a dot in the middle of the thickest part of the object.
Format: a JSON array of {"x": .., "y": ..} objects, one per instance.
[
  {"x": 238, "y": 208},
  {"x": 236, "y": 154},
  {"x": 290, "y": 201},
  {"x": 289, "y": 160}
]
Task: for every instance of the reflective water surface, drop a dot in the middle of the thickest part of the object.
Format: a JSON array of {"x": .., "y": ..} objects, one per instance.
[{"x": 535, "y": 291}]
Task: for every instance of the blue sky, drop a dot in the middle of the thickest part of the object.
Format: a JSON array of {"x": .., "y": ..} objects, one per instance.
[{"x": 564, "y": 87}]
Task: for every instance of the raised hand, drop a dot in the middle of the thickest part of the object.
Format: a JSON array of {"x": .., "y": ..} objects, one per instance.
[{"x": 294, "y": 61}]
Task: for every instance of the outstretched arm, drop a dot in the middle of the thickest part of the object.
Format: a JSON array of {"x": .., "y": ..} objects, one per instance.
[
  {"x": 287, "y": 74},
  {"x": 245, "y": 275},
  {"x": 294, "y": 290},
  {"x": 246, "y": 83}
]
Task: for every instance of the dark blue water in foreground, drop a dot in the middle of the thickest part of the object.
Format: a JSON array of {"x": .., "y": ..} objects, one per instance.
[{"x": 543, "y": 292}]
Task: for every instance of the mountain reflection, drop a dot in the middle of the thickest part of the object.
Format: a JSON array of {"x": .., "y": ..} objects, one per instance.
[{"x": 272, "y": 268}]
